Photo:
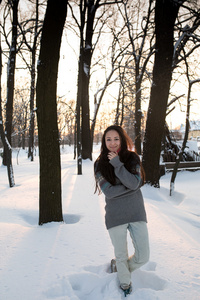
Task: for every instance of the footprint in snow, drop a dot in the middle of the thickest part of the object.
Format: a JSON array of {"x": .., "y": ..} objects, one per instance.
[
  {"x": 90, "y": 286},
  {"x": 96, "y": 282},
  {"x": 148, "y": 280},
  {"x": 141, "y": 278},
  {"x": 150, "y": 266}
]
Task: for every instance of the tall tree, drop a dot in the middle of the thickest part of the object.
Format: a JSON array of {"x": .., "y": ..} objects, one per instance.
[
  {"x": 46, "y": 88},
  {"x": 165, "y": 15},
  {"x": 31, "y": 30},
  {"x": 88, "y": 25},
  {"x": 187, "y": 124},
  {"x": 33, "y": 50},
  {"x": 87, "y": 15},
  {"x": 140, "y": 31},
  {"x": 116, "y": 58},
  {"x": 6, "y": 145},
  {"x": 11, "y": 76}
]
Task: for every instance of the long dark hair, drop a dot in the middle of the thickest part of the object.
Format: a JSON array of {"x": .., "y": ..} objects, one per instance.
[{"x": 126, "y": 155}]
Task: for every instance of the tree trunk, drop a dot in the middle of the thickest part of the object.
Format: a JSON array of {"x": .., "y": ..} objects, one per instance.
[
  {"x": 32, "y": 115},
  {"x": 32, "y": 91},
  {"x": 78, "y": 117},
  {"x": 24, "y": 127},
  {"x": 49, "y": 149},
  {"x": 118, "y": 106},
  {"x": 138, "y": 113},
  {"x": 165, "y": 16},
  {"x": 84, "y": 73},
  {"x": 11, "y": 78},
  {"x": 6, "y": 145},
  {"x": 85, "y": 126}
]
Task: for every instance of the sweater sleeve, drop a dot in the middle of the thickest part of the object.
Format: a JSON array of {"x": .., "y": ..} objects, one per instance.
[
  {"x": 108, "y": 189},
  {"x": 129, "y": 180}
]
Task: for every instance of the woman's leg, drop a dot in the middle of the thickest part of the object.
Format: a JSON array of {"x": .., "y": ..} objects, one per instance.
[
  {"x": 139, "y": 234},
  {"x": 118, "y": 237}
]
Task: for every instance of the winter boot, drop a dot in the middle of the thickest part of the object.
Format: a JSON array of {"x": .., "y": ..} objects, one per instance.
[{"x": 127, "y": 289}]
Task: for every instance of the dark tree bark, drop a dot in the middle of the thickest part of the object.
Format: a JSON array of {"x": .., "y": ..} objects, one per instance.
[
  {"x": 85, "y": 57},
  {"x": 78, "y": 127},
  {"x": 165, "y": 16},
  {"x": 138, "y": 112},
  {"x": 49, "y": 148},
  {"x": 32, "y": 91},
  {"x": 32, "y": 114},
  {"x": 11, "y": 78},
  {"x": 6, "y": 145}
]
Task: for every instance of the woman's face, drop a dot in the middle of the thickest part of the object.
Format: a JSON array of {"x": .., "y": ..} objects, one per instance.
[{"x": 112, "y": 140}]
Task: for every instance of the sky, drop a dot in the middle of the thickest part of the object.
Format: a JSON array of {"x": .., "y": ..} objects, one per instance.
[{"x": 67, "y": 85}]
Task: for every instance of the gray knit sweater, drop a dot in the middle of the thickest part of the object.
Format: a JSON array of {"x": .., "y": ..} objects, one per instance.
[{"x": 124, "y": 200}]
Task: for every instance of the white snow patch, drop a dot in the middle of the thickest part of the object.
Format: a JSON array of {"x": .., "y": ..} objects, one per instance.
[{"x": 71, "y": 260}]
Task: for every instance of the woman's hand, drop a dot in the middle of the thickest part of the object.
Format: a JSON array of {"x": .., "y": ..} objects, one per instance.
[{"x": 111, "y": 155}]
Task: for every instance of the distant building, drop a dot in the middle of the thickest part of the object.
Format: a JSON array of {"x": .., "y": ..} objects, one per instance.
[
  {"x": 193, "y": 144},
  {"x": 177, "y": 134},
  {"x": 194, "y": 131}
]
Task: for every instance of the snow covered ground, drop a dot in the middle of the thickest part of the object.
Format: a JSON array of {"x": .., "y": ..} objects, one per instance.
[{"x": 71, "y": 260}]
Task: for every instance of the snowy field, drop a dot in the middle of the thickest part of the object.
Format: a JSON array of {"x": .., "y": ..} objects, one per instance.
[{"x": 71, "y": 260}]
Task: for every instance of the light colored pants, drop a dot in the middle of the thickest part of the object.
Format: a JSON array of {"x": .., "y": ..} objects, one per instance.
[{"x": 139, "y": 235}]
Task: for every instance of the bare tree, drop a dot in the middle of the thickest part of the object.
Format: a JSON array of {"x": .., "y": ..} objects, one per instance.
[
  {"x": 140, "y": 32},
  {"x": 30, "y": 30},
  {"x": 6, "y": 144},
  {"x": 20, "y": 116},
  {"x": 186, "y": 33},
  {"x": 165, "y": 16},
  {"x": 87, "y": 10},
  {"x": 167, "y": 57},
  {"x": 46, "y": 100},
  {"x": 66, "y": 120},
  {"x": 89, "y": 22},
  {"x": 116, "y": 57},
  {"x": 187, "y": 126},
  {"x": 13, "y": 5}
]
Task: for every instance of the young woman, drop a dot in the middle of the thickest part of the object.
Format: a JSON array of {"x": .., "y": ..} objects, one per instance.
[{"x": 119, "y": 175}]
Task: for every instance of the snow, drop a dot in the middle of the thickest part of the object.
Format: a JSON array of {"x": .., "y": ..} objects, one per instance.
[
  {"x": 192, "y": 145},
  {"x": 86, "y": 69},
  {"x": 70, "y": 260}
]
